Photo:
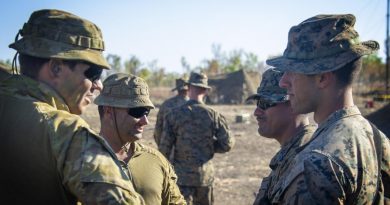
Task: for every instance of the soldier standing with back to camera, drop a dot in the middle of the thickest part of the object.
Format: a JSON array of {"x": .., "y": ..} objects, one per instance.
[
  {"x": 179, "y": 99},
  {"x": 276, "y": 120},
  {"x": 49, "y": 153},
  {"x": 197, "y": 132},
  {"x": 347, "y": 161}
]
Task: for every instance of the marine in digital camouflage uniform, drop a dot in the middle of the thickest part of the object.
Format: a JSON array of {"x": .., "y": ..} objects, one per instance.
[
  {"x": 197, "y": 132},
  {"x": 339, "y": 165},
  {"x": 123, "y": 108},
  {"x": 179, "y": 99},
  {"x": 276, "y": 120},
  {"x": 49, "y": 154}
]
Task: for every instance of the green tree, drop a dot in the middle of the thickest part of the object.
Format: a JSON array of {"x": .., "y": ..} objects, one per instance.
[
  {"x": 115, "y": 62},
  {"x": 133, "y": 65}
]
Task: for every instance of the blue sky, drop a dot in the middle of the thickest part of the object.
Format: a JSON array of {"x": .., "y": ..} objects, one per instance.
[{"x": 167, "y": 30}]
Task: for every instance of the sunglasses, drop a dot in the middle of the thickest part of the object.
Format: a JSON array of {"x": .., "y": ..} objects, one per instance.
[
  {"x": 264, "y": 105},
  {"x": 138, "y": 112},
  {"x": 93, "y": 73}
]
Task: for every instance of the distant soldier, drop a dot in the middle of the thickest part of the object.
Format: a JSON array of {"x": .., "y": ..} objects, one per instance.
[
  {"x": 346, "y": 157},
  {"x": 197, "y": 132},
  {"x": 179, "y": 99},
  {"x": 123, "y": 106},
  {"x": 49, "y": 154},
  {"x": 276, "y": 120}
]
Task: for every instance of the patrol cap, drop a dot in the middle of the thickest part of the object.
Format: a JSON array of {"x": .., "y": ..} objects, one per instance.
[
  {"x": 198, "y": 80},
  {"x": 124, "y": 91},
  {"x": 181, "y": 84},
  {"x": 58, "y": 34},
  {"x": 269, "y": 89},
  {"x": 322, "y": 44}
]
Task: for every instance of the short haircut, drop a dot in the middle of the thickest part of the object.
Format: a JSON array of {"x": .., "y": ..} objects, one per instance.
[
  {"x": 348, "y": 73},
  {"x": 101, "y": 111},
  {"x": 31, "y": 65}
]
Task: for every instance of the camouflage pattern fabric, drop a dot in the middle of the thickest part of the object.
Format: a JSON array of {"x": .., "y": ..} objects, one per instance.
[
  {"x": 51, "y": 155},
  {"x": 164, "y": 109},
  {"x": 51, "y": 33},
  {"x": 181, "y": 84},
  {"x": 280, "y": 165},
  {"x": 124, "y": 91},
  {"x": 195, "y": 195},
  {"x": 269, "y": 89},
  {"x": 197, "y": 132},
  {"x": 199, "y": 80},
  {"x": 339, "y": 158},
  {"x": 322, "y": 44},
  {"x": 154, "y": 177}
]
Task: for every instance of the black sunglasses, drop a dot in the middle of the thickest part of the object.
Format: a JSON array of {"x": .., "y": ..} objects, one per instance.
[
  {"x": 93, "y": 73},
  {"x": 264, "y": 105},
  {"x": 138, "y": 112}
]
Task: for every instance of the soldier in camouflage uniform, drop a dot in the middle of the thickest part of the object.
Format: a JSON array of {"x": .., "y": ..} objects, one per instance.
[
  {"x": 49, "y": 154},
  {"x": 179, "y": 99},
  {"x": 123, "y": 106},
  {"x": 276, "y": 120},
  {"x": 197, "y": 132},
  {"x": 342, "y": 163}
]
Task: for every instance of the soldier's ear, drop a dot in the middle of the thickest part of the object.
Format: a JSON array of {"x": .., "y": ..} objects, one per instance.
[
  {"x": 323, "y": 80},
  {"x": 54, "y": 68}
]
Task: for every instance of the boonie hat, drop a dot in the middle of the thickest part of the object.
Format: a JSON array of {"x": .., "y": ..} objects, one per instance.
[
  {"x": 124, "y": 91},
  {"x": 322, "y": 44},
  {"x": 181, "y": 84},
  {"x": 58, "y": 34},
  {"x": 269, "y": 89},
  {"x": 198, "y": 80}
]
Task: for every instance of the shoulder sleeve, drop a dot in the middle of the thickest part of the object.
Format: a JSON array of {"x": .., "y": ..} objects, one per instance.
[
  {"x": 319, "y": 181},
  {"x": 224, "y": 139},
  {"x": 87, "y": 165},
  {"x": 159, "y": 125},
  {"x": 171, "y": 194},
  {"x": 385, "y": 165},
  {"x": 168, "y": 137}
]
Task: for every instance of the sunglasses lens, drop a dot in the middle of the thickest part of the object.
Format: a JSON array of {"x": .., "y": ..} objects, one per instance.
[
  {"x": 264, "y": 104},
  {"x": 93, "y": 73},
  {"x": 138, "y": 112}
]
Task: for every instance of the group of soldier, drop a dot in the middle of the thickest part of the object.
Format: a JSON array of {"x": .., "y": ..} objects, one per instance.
[{"x": 51, "y": 156}]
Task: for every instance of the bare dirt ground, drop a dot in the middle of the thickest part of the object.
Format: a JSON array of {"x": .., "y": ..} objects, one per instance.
[{"x": 238, "y": 172}]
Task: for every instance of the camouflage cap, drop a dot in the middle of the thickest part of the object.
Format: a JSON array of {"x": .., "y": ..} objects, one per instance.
[
  {"x": 269, "y": 89},
  {"x": 181, "y": 84},
  {"x": 198, "y": 80},
  {"x": 124, "y": 91},
  {"x": 62, "y": 35},
  {"x": 322, "y": 44}
]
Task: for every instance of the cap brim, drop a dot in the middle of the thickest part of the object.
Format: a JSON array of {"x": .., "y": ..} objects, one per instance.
[
  {"x": 200, "y": 85},
  {"x": 123, "y": 103},
  {"x": 320, "y": 65},
  {"x": 44, "y": 48},
  {"x": 274, "y": 98}
]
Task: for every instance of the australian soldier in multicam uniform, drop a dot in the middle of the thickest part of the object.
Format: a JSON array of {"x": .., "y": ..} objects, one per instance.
[
  {"x": 123, "y": 106},
  {"x": 197, "y": 132},
  {"x": 276, "y": 120},
  {"x": 342, "y": 161},
  {"x": 179, "y": 99},
  {"x": 49, "y": 154}
]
